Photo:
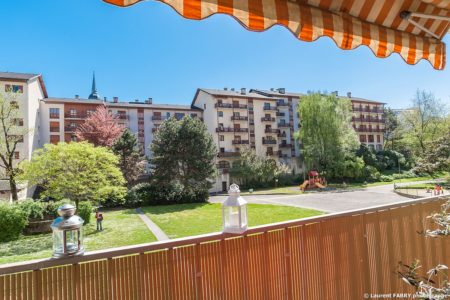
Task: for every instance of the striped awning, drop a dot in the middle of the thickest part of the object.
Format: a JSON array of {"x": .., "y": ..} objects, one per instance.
[{"x": 412, "y": 28}]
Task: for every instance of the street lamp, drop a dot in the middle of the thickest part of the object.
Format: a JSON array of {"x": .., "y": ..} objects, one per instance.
[
  {"x": 67, "y": 233},
  {"x": 234, "y": 211}
]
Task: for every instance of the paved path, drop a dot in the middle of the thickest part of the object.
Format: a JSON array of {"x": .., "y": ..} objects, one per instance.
[
  {"x": 157, "y": 232},
  {"x": 332, "y": 201}
]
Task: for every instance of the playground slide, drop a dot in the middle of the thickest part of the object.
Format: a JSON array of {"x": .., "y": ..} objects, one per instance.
[
  {"x": 304, "y": 185},
  {"x": 320, "y": 186}
]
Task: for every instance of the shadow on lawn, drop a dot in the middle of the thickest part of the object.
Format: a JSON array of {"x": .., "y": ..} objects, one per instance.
[{"x": 172, "y": 208}]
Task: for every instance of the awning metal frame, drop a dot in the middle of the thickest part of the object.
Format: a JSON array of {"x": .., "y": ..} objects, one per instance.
[{"x": 407, "y": 15}]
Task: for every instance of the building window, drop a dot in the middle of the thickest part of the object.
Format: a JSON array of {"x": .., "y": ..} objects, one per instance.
[
  {"x": 371, "y": 139},
  {"x": 379, "y": 147},
  {"x": 362, "y": 138},
  {"x": 220, "y": 113},
  {"x": 54, "y": 139},
  {"x": 54, "y": 113},
  {"x": 17, "y": 155},
  {"x": 378, "y": 139},
  {"x": 14, "y": 88},
  {"x": 266, "y": 105},
  {"x": 54, "y": 126},
  {"x": 72, "y": 112},
  {"x": 221, "y": 138},
  {"x": 89, "y": 112},
  {"x": 73, "y": 138},
  {"x": 179, "y": 116},
  {"x": 17, "y": 122},
  {"x": 193, "y": 115},
  {"x": 168, "y": 115}
]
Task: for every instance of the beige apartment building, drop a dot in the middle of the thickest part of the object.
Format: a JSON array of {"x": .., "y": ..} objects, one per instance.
[{"x": 263, "y": 120}]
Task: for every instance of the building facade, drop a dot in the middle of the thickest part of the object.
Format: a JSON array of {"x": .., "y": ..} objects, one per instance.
[{"x": 263, "y": 120}]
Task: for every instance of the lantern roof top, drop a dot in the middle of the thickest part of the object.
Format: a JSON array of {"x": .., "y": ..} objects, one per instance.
[
  {"x": 67, "y": 223},
  {"x": 234, "y": 197}
]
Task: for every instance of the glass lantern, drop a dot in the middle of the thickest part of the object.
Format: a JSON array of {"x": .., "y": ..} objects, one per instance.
[
  {"x": 67, "y": 233},
  {"x": 234, "y": 211}
]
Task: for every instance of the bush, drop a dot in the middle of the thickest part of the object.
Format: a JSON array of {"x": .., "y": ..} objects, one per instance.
[
  {"x": 33, "y": 209},
  {"x": 12, "y": 221},
  {"x": 371, "y": 173},
  {"x": 386, "y": 178},
  {"x": 51, "y": 207},
  {"x": 114, "y": 200},
  {"x": 151, "y": 194},
  {"x": 85, "y": 211}
]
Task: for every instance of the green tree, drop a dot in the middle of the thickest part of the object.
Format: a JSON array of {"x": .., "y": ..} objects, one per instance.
[
  {"x": 326, "y": 132},
  {"x": 437, "y": 158},
  {"x": 251, "y": 169},
  {"x": 183, "y": 152},
  {"x": 392, "y": 132},
  {"x": 423, "y": 123},
  {"x": 131, "y": 161},
  {"x": 12, "y": 132},
  {"x": 77, "y": 171}
]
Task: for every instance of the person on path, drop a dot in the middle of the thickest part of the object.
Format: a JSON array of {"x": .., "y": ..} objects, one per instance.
[{"x": 99, "y": 218}]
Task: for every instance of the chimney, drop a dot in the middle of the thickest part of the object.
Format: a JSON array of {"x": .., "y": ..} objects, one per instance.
[
  {"x": 149, "y": 101},
  {"x": 232, "y": 89},
  {"x": 136, "y": 100},
  {"x": 115, "y": 99},
  {"x": 104, "y": 98},
  {"x": 225, "y": 89},
  {"x": 243, "y": 91},
  {"x": 349, "y": 94},
  {"x": 282, "y": 90},
  {"x": 77, "y": 96},
  {"x": 272, "y": 89}
]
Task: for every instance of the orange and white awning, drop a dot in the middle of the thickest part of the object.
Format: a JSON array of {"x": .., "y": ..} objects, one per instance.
[{"x": 412, "y": 28}]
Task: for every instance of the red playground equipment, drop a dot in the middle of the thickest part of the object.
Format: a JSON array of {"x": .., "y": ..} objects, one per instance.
[{"x": 314, "y": 181}]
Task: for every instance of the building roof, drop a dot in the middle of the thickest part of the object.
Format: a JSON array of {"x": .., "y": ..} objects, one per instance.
[
  {"x": 361, "y": 99},
  {"x": 18, "y": 76},
  {"x": 276, "y": 93},
  {"x": 120, "y": 104},
  {"x": 235, "y": 93},
  {"x": 24, "y": 77}
]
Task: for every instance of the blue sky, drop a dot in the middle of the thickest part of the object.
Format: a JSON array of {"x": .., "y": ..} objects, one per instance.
[{"x": 148, "y": 50}]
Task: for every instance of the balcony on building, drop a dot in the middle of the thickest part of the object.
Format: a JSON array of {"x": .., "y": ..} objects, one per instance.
[
  {"x": 280, "y": 114},
  {"x": 228, "y": 154},
  {"x": 269, "y": 141},
  {"x": 282, "y": 103},
  {"x": 231, "y": 129},
  {"x": 368, "y": 119},
  {"x": 270, "y": 153},
  {"x": 240, "y": 142},
  {"x": 283, "y": 125},
  {"x": 285, "y": 145},
  {"x": 368, "y": 109},
  {"x": 158, "y": 118},
  {"x": 271, "y": 130},
  {"x": 239, "y": 118},
  {"x": 230, "y": 105},
  {"x": 269, "y": 107},
  {"x": 370, "y": 129},
  {"x": 75, "y": 116},
  {"x": 281, "y": 134},
  {"x": 267, "y": 119},
  {"x": 122, "y": 116},
  {"x": 282, "y": 155},
  {"x": 154, "y": 129},
  {"x": 70, "y": 128}
]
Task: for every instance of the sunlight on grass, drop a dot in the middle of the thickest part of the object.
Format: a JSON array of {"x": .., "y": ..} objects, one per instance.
[
  {"x": 194, "y": 219},
  {"x": 121, "y": 228}
]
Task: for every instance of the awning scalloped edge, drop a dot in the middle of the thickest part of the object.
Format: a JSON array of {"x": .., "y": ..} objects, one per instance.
[{"x": 309, "y": 23}]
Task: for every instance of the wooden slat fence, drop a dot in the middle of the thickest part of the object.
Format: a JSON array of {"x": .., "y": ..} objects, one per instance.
[{"x": 336, "y": 256}]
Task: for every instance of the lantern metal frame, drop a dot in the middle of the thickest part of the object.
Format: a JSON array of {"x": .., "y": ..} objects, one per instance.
[{"x": 234, "y": 224}]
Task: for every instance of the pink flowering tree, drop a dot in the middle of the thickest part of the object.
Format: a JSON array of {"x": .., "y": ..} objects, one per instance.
[{"x": 100, "y": 129}]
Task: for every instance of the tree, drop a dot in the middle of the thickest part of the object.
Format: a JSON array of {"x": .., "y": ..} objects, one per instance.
[
  {"x": 183, "y": 153},
  {"x": 12, "y": 132},
  {"x": 251, "y": 169},
  {"x": 423, "y": 123},
  {"x": 77, "y": 171},
  {"x": 392, "y": 132},
  {"x": 437, "y": 158},
  {"x": 100, "y": 128},
  {"x": 131, "y": 161},
  {"x": 326, "y": 132}
]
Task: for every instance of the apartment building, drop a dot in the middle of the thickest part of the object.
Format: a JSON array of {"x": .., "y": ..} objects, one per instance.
[
  {"x": 368, "y": 121},
  {"x": 28, "y": 89},
  {"x": 254, "y": 119},
  {"x": 264, "y": 120}
]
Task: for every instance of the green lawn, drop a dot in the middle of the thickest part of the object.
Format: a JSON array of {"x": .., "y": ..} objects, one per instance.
[
  {"x": 121, "y": 228},
  {"x": 199, "y": 218}
]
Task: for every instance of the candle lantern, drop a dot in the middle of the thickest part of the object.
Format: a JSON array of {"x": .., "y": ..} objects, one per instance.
[
  {"x": 67, "y": 233},
  {"x": 234, "y": 211}
]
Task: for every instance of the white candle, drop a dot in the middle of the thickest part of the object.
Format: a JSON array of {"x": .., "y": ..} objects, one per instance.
[{"x": 234, "y": 219}]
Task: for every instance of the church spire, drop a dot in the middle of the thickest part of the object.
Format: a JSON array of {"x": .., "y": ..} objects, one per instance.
[{"x": 94, "y": 95}]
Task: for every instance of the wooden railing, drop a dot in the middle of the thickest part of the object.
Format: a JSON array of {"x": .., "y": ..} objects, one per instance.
[{"x": 336, "y": 256}]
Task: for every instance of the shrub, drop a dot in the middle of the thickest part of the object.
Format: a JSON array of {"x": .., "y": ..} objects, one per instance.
[
  {"x": 51, "y": 207},
  {"x": 12, "y": 221},
  {"x": 152, "y": 194},
  {"x": 371, "y": 173},
  {"x": 33, "y": 209},
  {"x": 85, "y": 211},
  {"x": 386, "y": 178},
  {"x": 114, "y": 200}
]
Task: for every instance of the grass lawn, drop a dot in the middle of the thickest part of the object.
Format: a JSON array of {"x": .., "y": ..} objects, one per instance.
[
  {"x": 120, "y": 228},
  {"x": 200, "y": 218}
]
